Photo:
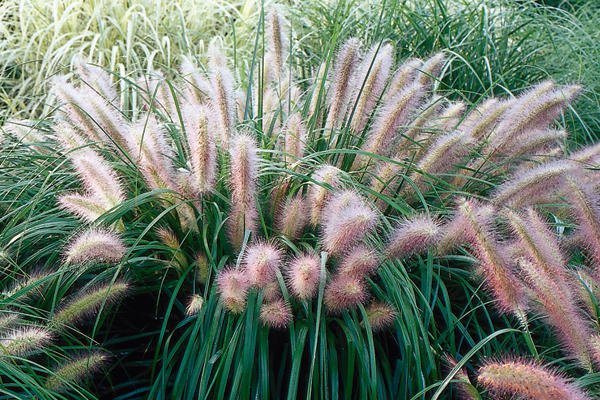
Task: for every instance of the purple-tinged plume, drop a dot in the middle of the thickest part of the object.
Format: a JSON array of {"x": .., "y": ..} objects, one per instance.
[
  {"x": 527, "y": 379},
  {"x": 413, "y": 235},
  {"x": 347, "y": 218},
  {"x": 244, "y": 169}
]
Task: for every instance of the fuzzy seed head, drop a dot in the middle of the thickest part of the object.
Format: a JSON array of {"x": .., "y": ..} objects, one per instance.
[
  {"x": 414, "y": 235},
  {"x": 325, "y": 177},
  {"x": 292, "y": 216},
  {"x": 203, "y": 154},
  {"x": 381, "y": 316},
  {"x": 87, "y": 303},
  {"x": 347, "y": 218},
  {"x": 276, "y": 314},
  {"x": 343, "y": 71},
  {"x": 22, "y": 342},
  {"x": 304, "y": 276},
  {"x": 202, "y": 267},
  {"x": 233, "y": 286},
  {"x": 261, "y": 263},
  {"x": 95, "y": 245},
  {"x": 344, "y": 292},
  {"x": 75, "y": 370},
  {"x": 527, "y": 379},
  {"x": 499, "y": 276},
  {"x": 359, "y": 262},
  {"x": 295, "y": 138},
  {"x": 244, "y": 169},
  {"x": 195, "y": 303}
]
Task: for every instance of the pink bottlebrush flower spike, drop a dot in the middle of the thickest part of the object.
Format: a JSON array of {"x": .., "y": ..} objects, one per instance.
[
  {"x": 261, "y": 262},
  {"x": 292, "y": 216},
  {"x": 558, "y": 303},
  {"x": 303, "y": 276},
  {"x": 95, "y": 245},
  {"x": 233, "y": 286},
  {"x": 359, "y": 262},
  {"x": 403, "y": 77},
  {"x": 499, "y": 276},
  {"x": 369, "y": 82},
  {"x": 222, "y": 95},
  {"x": 344, "y": 292},
  {"x": 413, "y": 235},
  {"x": 277, "y": 39},
  {"x": 203, "y": 154},
  {"x": 347, "y": 218},
  {"x": 586, "y": 209},
  {"x": 527, "y": 188},
  {"x": 395, "y": 113},
  {"x": 276, "y": 314},
  {"x": 528, "y": 379},
  {"x": 343, "y": 71},
  {"x": 244, "y": 169},
  {"x": 295, "y": 139},
  {"x": 320, "y": 193}
]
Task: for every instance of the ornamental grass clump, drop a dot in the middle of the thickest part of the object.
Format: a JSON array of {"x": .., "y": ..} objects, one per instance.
[{"x": 322, "y": 222}]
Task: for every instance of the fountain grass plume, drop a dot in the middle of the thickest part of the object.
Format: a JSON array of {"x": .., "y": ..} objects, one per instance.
[
  {"x": 540, "y": 245},
  {"x": 295, "y": 138},
  {"x": 498, "y": 273},
  {"x": 194, "y": 305},
  {"x": 75, "y": 370},
  {"x": 169, "y": 239},
  {"x": 559, "y": 306},
  {"x": 8, "y": 320},
  {"x": 586, "y": 209},
  {"x": 221, "y": 95},
  {"x": 275, "y": 314},
  {"x": 26, "y": 287},
  {"x": 95, "y": 245},
  {"x": 533, "y": 110},
  {"x": 381, "y": 316},
  {"x": 369, "y": 82},
  {"x": 528, "y": 379},
  {"x": 233, "y": 285},
  {"x": 430, "y": 70},
  {"x": 344, "y": 292},
  {"x": 261, "y": 262},
  {"x": 344, "y": 68},
  {"x": 84, "y": 207},
  {"x": 277, "y": 40},
  {"x": 292, "y": 216},
  {"x": 404, "y": 75},
  {"x": 87, "y": 303},
  {"x": 360, "y": 262},
  {"x": 533, "y": 185},
  {"x": 203, "y": 154},
  {"x": 397, "y": 112},
  {"x": 24, "y": 341},
  {"x": 442, "y": 156},
  {"x": 413, "y": 235},
  {"x": 347, "y": 218},
  {"x": 199, "y": 91},
  {"x": 303, "y": 276},
  {"x": 90, "y": 112},
  {"x": 243, "y": 173},
  {"x": 325, "y": 177},
  {"x": 98, "y": 177},
  {"x": 150, "y": 149},
  {"x": 95, "y": 77}
]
